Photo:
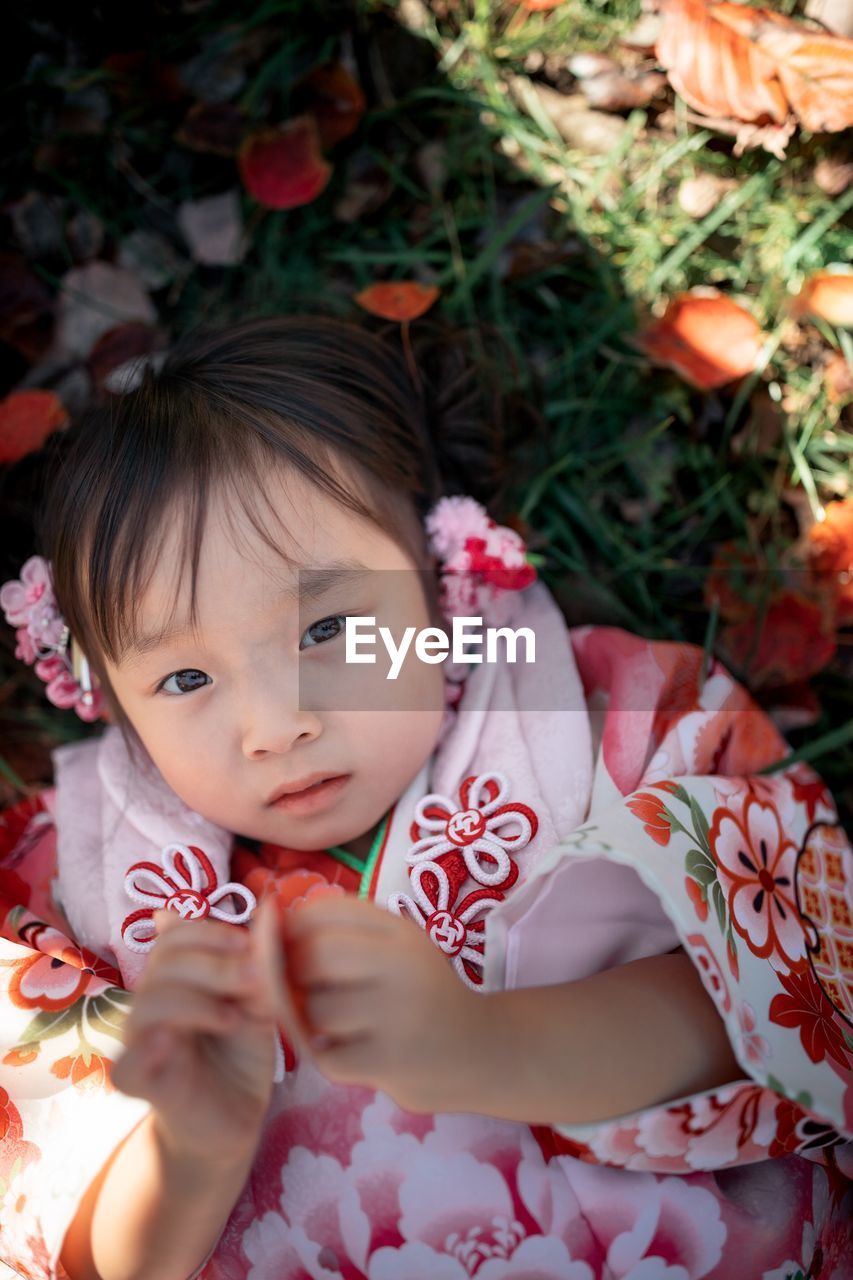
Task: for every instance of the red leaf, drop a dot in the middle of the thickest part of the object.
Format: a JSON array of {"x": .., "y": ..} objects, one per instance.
[
  {"x": 282, "y": 167},
  {"x": 797, "y": 639},
  {"x": 27, "y": 418},
  {"x": 335, "y": 100},
  {"x": 398, "y": 299},
  {"x": 707, "y": 339}
]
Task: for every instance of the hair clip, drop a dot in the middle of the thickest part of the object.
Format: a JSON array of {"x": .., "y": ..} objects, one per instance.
[{"x": 44, "y": 640}]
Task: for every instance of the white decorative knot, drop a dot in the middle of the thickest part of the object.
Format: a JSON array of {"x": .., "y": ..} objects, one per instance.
[
  {"x": 457, "y": 931},
  {"x": 476, "y": 826},
  {"x": 481, "y": 828},
  {"x": 186, "y": 883}
]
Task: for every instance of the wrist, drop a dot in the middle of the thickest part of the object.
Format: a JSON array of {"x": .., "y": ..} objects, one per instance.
[
  {"x": 489, "y": 1041},
  {"x": 199, "y": 1161},
  {"x": 505, "y": 1052}
]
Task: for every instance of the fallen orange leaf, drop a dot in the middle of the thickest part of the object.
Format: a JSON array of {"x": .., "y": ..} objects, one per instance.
[
  {"x": 282, "y": 167},
  {"x": 27, "y": 418},
  {"x": 829, "y": 295},
  {"x": 706, "y": 338},
  {"x": 398, "y": 299},
  {"x": 535, "y": 6},
  {"x": 830, "y": 549},
  {"x": 752, "y": 64}
]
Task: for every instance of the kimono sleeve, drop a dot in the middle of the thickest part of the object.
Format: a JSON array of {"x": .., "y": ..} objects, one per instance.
[
  {"x": 755, "y": 874},
  {"x": 61, "y": 1010}
]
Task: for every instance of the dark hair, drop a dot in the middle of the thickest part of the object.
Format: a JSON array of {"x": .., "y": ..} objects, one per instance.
[{"x": 225, "y": 405}]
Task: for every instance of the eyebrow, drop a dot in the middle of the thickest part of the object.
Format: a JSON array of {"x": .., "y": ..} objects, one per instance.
[{"x": 314, "y": 583}]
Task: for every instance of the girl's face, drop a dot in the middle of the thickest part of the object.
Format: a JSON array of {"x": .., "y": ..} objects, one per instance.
[{"x": 261, "y": 697}]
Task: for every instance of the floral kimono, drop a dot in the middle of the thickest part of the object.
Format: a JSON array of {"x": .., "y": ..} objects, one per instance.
[{"x": 616, "y": 810}]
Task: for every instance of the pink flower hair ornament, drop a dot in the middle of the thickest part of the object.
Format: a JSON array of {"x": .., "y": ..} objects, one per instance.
[
  {"x": 44, "y": 640},
  {"x": 480, "y": 562}
]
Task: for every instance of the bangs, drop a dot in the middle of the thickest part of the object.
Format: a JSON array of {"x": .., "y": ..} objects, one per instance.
[{"x": 156, "y": 483}]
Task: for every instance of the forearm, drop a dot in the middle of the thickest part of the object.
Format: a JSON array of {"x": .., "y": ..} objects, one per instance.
[
  {"x": 631, "y": 1037},
  {"x": 152, "y": 1213}
]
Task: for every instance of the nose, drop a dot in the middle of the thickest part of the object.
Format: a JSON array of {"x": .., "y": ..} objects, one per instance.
[{"x": 272, "y": 725}]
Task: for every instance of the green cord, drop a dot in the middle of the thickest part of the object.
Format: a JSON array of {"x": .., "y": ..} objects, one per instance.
[{"x": 366, "y": 868}]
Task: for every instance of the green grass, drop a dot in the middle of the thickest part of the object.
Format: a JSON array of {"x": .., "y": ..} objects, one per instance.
[{"x": 617, "y": 431}]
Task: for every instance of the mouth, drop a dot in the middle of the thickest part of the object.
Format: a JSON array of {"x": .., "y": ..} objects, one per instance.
[{"x": 309, "y": 796}]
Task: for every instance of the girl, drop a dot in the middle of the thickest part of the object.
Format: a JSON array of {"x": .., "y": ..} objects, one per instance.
[{"x": 543, "y": 976}]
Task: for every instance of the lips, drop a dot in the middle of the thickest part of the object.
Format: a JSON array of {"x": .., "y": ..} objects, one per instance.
[
  {"x": 313, "y": 798},
  {"x": 292, "y": 788}
]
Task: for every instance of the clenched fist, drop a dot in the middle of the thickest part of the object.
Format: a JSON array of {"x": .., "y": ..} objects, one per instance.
[
  {"x": 373, "y": 1001},
  {"x": 199, "y": 1039}
]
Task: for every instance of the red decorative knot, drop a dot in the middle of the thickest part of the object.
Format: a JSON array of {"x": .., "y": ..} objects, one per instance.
[
  {"x": 447, "y": 932},
  {"x": 466, "y": 826},
  {"x": 469, "y": 839},
  {"x": 185, "y": 883},
  {"x": 482, "y": 823}
]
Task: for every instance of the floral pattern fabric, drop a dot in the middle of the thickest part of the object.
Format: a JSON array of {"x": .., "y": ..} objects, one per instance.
[{"x": 752, "y": 1180}]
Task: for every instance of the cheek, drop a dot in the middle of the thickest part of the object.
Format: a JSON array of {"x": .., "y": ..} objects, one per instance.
[
  {"x": 398, "y": 742},
  {"x": 176, "y": 751}
]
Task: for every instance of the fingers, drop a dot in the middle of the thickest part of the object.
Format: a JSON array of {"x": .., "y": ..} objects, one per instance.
[
  {"x": 173, "y": 1008},
  {"x": 341, "y": 1013},
  {"x": 337, "y": 956},
  {"x": 270, "y": 955},
  {"x": 218, "y": 934},
  {"x": 136, "y": 1072},
  {"x": 337, "y": 911},
  {"x": 186, "y": 965}
]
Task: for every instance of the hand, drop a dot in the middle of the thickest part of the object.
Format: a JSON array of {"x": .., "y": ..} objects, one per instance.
[
  {"x": 199, "y": 1039},
  {"x": 373, "y": 1001}
]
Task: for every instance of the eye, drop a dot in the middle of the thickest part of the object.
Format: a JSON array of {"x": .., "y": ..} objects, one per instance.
[
  {"x": 328, "y": 629},
  {"x": 179, "y": 675}
]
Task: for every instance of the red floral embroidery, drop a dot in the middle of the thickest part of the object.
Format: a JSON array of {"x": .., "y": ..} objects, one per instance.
[
  {"x": 694, "y": 893},
  {"x": 468, "y": 840},
  {"x": 186, "y": 883},
  {"x": 805, "y": 1006},
  {"x": 712, "y": 974},
  {"x": 652, "y": 812},
  {"x": 668, "y": 785},
  {"x": 58, "y": 973},
  {"x": 809, "y": 790},
  {"x": 796, "y": 1131},
  {"x": 93, "y": 1074},
  {"x": 755, "y": 862}
]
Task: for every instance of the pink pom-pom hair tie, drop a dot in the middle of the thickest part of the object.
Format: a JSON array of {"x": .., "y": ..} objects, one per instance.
[
  {"x": 44, "y": 640},
  {"x": 479, "y": 564},
  {"x": 480, "y": 561}
]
